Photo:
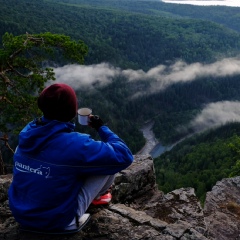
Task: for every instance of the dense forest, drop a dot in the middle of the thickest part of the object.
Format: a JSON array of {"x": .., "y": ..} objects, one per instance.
[
  {"x": 228, "y": 16},
  {"x": 140, "y": 35},
  {"x": 200, "y": 161},
  {"x": 125, "y": 39}
]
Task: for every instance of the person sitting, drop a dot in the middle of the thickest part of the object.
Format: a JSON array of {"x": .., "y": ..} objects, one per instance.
[{"x": 58, "y": 172}]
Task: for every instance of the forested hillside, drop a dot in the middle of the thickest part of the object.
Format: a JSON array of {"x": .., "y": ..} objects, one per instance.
[
  {"x": 200, "y": 161},
  {"x": 130, "y": 40},
  {"x": 228, "y": 16},
  {"x": 127, "y": 40},
  {"x": 164, "y": 43}
]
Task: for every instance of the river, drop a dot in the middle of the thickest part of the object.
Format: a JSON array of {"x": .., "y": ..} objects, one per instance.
[{"x": 152, "y": 146}]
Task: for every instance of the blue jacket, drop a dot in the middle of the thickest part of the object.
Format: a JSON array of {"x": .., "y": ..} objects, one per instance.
[{"x": 50, "y": 164}]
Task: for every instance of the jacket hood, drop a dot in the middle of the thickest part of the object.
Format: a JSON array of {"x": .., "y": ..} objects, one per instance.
[{"x": 39, "y": 132}]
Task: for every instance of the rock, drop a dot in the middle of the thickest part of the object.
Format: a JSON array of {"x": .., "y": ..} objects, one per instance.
[
  {"x": 5, "y": 182},
  {"x": 135, "y": 181},
  {"x": 140, "y": 211},
  {"x": 222, "y": 210}
]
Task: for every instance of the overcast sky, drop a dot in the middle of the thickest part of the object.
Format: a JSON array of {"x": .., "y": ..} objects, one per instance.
[{"x": 231, "y": 3}]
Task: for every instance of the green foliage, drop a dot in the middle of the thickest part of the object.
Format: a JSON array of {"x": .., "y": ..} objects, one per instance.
[
  {"x": 117, "y": 34},
  {"x": 179, "y": 104},
  {"x": 128, "y": 34},
  {"x": 235, "y": 146},
  {"x": 22, "y": 73},
  {"x": 228, "y": 16},
  {"x": 200, "y": 161},
  {"x": 235, "y": 171},
  {"x": 112, "y": 102},
  {"x": 123, "y": 37},
  {"x": 171, "y": 109}
]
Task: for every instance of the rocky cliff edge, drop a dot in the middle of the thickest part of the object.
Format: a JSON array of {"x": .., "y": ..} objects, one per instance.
[{"x": 140, "y": 211}]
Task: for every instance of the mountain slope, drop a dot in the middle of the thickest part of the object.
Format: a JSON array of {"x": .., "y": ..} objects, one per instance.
[
  {"x": 122, "y": 38},
  {"x": 228, "y": 16},
  {"x": 200, "y": 161}
]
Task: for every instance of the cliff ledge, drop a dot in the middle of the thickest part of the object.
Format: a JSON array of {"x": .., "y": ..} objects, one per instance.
[{"x": 140, "y": 211}]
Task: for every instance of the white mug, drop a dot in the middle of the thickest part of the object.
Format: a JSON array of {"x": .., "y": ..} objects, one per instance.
[{"x": 83, "y": 115}]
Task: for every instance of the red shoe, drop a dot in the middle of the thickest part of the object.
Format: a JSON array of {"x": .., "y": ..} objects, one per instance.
[{"x": 104, "y": 199}]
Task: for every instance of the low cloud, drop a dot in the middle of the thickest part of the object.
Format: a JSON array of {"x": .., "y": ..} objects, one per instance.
[
  {"x": 216, "y": 114},
  {"x": 183, "y": 72},
  {"x": 180, "y": 71},
  {"x": 213, "y": 115},
  {"x": 79, "y": 76}
]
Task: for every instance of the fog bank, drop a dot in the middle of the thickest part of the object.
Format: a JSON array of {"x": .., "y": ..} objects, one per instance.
[
  {"x": 162, "y": 76},
  {"x": 216, "y": 114}
]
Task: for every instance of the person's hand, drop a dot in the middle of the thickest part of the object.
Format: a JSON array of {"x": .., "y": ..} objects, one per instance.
[{"x": 95, "y": 122}]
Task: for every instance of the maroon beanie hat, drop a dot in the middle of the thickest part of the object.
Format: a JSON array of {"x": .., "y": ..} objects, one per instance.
[{"x": 58, "y": 102}]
